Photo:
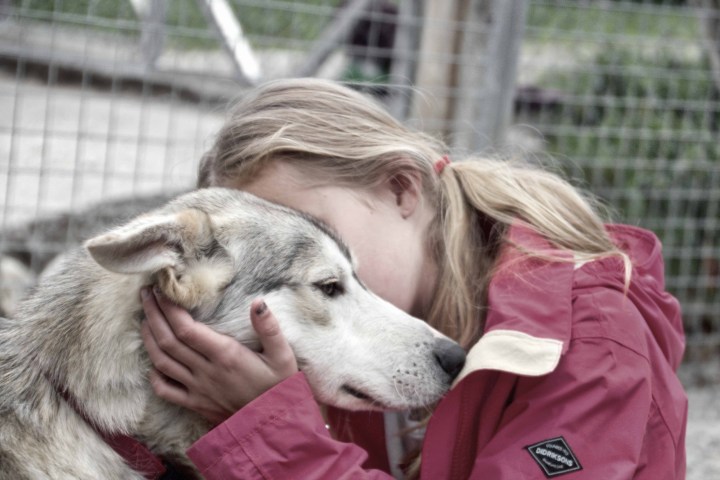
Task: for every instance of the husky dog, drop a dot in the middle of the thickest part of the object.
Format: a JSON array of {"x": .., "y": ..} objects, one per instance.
[{"x": 73, "y": 369}]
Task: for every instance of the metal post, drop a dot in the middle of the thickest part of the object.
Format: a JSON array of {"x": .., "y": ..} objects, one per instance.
[
  {"x": 493, "y": 110},
  {"x": 432, "y": 103},
  {"x": 402, "y": 74},
  {"x": 219, "y": 14},
  {"x": 472, "y": 63},
  {"x": 332, "y": 37},
  {"x": 152, "y": 39}
]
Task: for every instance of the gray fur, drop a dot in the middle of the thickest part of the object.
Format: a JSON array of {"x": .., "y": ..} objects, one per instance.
[{"x": 212, "y": 251}]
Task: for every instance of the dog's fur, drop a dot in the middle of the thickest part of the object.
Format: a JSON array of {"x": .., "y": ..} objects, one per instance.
[{"x": 212, "y": 251}]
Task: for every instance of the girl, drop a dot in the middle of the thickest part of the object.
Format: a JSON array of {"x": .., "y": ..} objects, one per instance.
[{"x": 572, "y": 342}]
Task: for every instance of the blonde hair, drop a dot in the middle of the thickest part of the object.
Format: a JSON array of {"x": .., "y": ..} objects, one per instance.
[{"x": 343, "y": 137}]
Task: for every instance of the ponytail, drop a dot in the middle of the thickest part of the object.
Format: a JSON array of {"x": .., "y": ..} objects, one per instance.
[{"x": 479, "y": 200}]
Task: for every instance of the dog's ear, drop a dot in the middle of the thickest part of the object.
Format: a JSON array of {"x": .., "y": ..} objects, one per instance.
[
  {"x": 173, "y": 247},
  {"x": 150, "y": 242}
]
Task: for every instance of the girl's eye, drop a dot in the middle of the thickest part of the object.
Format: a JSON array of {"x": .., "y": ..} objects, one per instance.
[{"x": 331, "y": 288}]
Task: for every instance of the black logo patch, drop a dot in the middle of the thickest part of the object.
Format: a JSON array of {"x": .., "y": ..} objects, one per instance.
[{"x": 554, "y": 457}]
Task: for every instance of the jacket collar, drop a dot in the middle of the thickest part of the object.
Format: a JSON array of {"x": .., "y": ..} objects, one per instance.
[{"x": 529, "y": 318}]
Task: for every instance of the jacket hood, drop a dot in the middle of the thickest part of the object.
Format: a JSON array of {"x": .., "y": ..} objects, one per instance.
[
  {"x": 529, "y": 320},
  {"x": 660, "y": 310}
]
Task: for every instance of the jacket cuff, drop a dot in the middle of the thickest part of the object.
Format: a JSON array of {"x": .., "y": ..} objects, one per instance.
[{"x": 279, "y": 405}]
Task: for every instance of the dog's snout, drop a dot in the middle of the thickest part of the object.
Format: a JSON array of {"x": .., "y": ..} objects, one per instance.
[{"x": 449, "y": 355}]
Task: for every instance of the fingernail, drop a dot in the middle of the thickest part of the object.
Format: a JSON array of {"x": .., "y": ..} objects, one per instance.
[
  {"x": 144, "y": 293},
  {"x": 262, "y": 308},
  {"x": 156, "y": 291}
]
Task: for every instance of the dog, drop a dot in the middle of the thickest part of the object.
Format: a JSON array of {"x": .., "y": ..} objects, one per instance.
[{"x": 73, "y": 369}]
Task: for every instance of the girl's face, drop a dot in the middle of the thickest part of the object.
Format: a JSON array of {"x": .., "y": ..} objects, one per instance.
[{"x": 385, "y": 228}]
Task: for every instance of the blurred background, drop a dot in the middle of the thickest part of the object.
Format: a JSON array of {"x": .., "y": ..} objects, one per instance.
[{"x": 106, "y": 107}]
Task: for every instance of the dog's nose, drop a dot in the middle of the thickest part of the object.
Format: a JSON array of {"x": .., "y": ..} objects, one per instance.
[{"x": 449, "y": 355}]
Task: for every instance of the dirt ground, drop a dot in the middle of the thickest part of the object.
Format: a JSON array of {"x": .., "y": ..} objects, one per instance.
[{"x": 703, "y": 434}]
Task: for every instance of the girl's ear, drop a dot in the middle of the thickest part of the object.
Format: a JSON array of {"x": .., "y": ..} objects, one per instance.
[{"x": 407, "y": 189}]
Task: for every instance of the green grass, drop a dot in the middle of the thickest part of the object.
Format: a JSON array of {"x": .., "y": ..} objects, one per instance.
[
  {"x": 641, "y": 130},
  {"x": 267, "y": 21},
  {"x": 304, "y": 20},
  {"x": 627, "y": 105},
  {"x": 547, "y": 20}
]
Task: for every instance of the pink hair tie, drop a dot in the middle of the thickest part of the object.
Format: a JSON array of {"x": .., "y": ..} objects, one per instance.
[{"x": 440, "y": 164}]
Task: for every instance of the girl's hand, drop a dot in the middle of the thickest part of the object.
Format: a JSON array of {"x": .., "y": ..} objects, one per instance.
[{"x": 205, "y": 371}]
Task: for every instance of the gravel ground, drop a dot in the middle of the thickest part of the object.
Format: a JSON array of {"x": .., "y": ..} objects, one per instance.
[{"x": 703, "y": 434}]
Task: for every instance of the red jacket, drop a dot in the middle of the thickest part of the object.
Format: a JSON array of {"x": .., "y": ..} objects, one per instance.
[{"x": 574, "y": 377}]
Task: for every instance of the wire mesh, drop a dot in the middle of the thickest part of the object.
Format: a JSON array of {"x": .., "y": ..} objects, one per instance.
[
  {"x": 107, "y": 105},
  {"x": 623, "y": 95}
]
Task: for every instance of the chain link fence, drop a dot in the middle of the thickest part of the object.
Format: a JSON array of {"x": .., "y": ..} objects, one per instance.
[
  {"x": 107, "y": 105},
  {"x": 626, "y": 97}
]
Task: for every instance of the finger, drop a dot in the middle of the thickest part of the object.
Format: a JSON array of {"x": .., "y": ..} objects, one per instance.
[
  {"x": 199, "y": 337},
  {"x": 159, "y": 311},
  {"x": 276, "y": 349},
  {"x": 168, "y": 390},
  {"x": 167, "y": 365}
]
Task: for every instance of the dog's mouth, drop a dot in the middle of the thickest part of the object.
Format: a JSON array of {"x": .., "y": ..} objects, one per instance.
[{"x": 354, "y": 392}]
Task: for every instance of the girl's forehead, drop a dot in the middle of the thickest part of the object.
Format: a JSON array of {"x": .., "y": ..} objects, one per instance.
[
  {"x": 284, "y": 183},
  {"x": 280, "y": 183}
]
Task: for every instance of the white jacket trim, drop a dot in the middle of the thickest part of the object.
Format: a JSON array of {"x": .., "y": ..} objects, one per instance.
[{"x": 514, "y": 352}]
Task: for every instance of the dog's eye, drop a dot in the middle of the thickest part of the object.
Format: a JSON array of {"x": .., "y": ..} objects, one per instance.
[{"x": 331, "y": 288}]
